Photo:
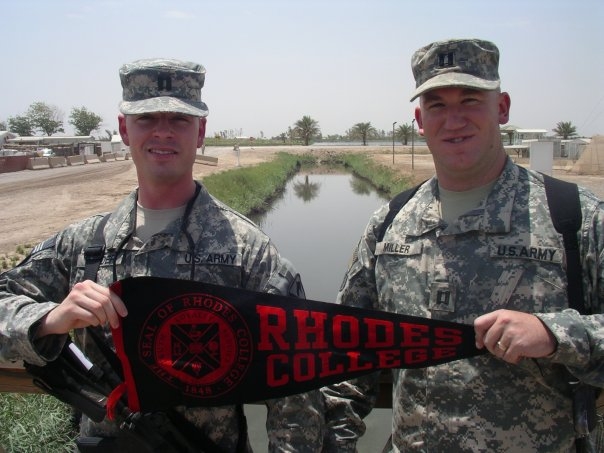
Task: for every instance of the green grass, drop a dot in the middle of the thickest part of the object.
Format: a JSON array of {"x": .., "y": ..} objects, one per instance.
[
  {"x": 384, "y": 179},
  {"x": 40, "y": 423},
  {"x": 35, "y": 423},
  {"x": 251, "y": 189},
  {"x": 256, "y": 142}
]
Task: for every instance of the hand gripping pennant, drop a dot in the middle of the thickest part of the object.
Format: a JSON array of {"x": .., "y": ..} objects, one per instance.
[{"x": 196, "y": 344}]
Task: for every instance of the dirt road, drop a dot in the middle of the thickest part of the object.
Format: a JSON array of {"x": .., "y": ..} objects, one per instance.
[{"x": 37, "y": 203}]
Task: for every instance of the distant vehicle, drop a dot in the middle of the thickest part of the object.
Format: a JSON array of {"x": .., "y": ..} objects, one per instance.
[{"x": 47, "y": 152}]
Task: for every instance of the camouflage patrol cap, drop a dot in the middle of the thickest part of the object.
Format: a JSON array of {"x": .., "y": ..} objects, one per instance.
[
  {"x": 162, "y": 85},
  {"x": 471, "y": 63}
]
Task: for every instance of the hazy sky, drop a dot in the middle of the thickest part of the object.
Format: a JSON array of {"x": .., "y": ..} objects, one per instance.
[{"x": 271, "y": 62}]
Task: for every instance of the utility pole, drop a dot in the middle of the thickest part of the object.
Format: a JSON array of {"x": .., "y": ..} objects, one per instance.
[{"x": 393, "y": 142}]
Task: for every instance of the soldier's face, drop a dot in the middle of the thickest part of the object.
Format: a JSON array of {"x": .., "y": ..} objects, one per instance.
[
  {"x": 461, "y": 127},
  {"x": 163, "y": 145}
]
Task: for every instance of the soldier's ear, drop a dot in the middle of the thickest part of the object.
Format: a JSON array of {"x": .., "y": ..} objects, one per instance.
[
  {"x": 418, "y": 118},
  {"x": 121, "y": 120},
  {"x": 202, "y": 132},
  {"x": 504, "y": 107}
]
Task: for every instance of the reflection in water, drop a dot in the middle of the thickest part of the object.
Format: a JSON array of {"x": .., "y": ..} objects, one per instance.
[
  {"x": 361, "y": 187},
  {"x": 307, "y": 190},
  {"x": 317, "y": 229}
]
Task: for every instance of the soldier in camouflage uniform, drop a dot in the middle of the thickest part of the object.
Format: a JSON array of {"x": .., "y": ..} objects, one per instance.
[
  {"x": 169, "y": 227},
  {"x": 476, "y": 244}
]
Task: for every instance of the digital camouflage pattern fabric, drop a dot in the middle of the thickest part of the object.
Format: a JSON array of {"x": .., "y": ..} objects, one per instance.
[
  {"x": 162, "y": 85},
  {"x": 470, "y": 63},
  {"x": 504, "y": 254},
  {"x": 212, "y": 244}
]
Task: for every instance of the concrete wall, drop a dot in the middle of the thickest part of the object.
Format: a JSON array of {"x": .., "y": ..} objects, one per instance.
[
  {"x": 206, "y": 160},
  {"x": 108, "y": 157},
  {"x": 13, "y": 163},
  {"x": 75, "y": 160},
  {"x": 57, "y": 161},
  {"x": 38, "y": 163},
  {"x": 91, "y": 159}
]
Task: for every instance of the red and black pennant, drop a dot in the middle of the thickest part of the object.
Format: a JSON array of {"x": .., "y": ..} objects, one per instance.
[{"x": 196, "y": 344}]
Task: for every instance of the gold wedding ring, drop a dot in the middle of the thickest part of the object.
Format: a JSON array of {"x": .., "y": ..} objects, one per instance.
[{"x": 501, "y": 346}]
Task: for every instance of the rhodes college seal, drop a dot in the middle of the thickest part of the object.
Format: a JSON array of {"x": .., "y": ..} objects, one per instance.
[{"x": 197, "y": 343}]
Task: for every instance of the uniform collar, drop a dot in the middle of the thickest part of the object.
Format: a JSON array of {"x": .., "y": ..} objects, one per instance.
[
  {"x": 122, "y": 221},
  {"x": 494, "y": 216}
]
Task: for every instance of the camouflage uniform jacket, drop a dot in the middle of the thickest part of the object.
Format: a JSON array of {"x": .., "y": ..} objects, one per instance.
[
  {"x": 504, "y": 254},
  {"x": 213, "y": 244}
]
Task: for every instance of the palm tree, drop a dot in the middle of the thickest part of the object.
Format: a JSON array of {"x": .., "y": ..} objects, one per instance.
[
  {"x": 403, "y": 133},
  {"x": 565, "y": 129},
  {"x": 306, "y": 129},
  {"x": 363, "y": 131}
]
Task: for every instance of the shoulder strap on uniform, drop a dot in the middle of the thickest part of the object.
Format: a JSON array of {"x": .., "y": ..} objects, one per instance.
[
  {"x": 565, "y": 210},
  {"x": 94, "y": 252},
  {"x": 395, "y": 205}
]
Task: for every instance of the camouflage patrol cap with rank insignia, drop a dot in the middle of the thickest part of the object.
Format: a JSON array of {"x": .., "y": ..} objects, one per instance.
[
  {"x": 471, "y": 63},
  {"x": 162, "y": 85}
]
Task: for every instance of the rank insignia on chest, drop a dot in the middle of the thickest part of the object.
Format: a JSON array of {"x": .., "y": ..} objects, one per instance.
[{"x": 442, "y": 297}]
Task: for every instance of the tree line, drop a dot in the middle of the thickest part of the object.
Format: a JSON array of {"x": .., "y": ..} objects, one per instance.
[
  {"x": 307, "y": 129},
  {"x": 47, "y": 119}
]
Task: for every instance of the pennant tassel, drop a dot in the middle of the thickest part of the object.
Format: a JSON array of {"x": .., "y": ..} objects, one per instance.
[{"x": 113, "y": 399}]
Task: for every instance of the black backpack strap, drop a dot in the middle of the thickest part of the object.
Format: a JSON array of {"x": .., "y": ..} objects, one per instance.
[
  {"x": 94, "y": 252},
  {"x": 395, "y": 205},
  {"x": 565, "y": 210}
]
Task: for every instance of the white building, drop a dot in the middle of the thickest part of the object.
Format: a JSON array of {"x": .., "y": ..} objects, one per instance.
[
  {"x": 517, "y": 141},
  {"x": 5, "y": 136}
]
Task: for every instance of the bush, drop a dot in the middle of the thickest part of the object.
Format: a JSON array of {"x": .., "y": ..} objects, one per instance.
[
  {"x": 250, "y": 189},
  {"x": 384, "y": 179}
]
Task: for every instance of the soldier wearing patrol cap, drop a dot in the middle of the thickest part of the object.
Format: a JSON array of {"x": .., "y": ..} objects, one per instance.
[
  {"x": 170, "y": 226},
  {"x": 476, "y": 245},
  {"x": 162, "y": 86}
]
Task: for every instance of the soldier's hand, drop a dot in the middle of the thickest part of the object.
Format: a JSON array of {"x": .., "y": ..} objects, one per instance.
[
  {"x": 88, "y": 304},
  {"x": 512, "y": 335}
]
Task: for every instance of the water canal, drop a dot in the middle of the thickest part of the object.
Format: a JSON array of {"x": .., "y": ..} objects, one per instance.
[{"x": 316, "y": 223}]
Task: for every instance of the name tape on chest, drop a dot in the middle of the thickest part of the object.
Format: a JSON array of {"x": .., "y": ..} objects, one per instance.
[
  {"x": 225, "y": 259},
  {"x": 398, "y": 248},
  {"x": 522, "y": 251}
]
